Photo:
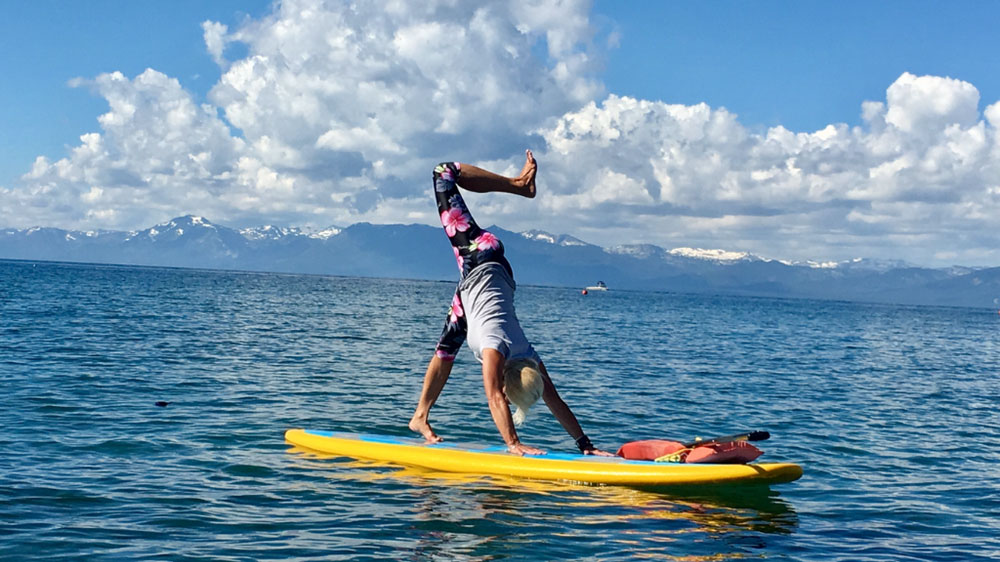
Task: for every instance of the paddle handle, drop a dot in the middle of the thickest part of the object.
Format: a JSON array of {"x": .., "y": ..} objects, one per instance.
[{"x": 748, "y": 436}]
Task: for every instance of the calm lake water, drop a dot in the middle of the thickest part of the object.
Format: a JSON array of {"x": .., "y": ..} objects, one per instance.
[{"x": 892, "y": 411}]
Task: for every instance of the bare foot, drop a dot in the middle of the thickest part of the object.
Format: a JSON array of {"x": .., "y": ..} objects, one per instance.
[
  {"x": 424, "y": 428},
  {"x": 526, "y": 180}
]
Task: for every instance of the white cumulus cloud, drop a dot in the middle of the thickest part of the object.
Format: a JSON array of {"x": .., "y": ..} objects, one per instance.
[
  {"x": 335, "y": 112},
  {"x": 921, "y": 173}
]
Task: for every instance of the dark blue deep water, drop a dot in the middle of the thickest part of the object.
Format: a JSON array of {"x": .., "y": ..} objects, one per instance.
[{"x": 892, "y": 411}]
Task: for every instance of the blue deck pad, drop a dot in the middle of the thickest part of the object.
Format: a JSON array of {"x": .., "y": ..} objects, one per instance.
[{"x": 473, "y": 448}]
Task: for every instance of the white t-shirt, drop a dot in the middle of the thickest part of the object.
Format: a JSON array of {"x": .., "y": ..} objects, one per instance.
[{"x": 487, "y": 294}]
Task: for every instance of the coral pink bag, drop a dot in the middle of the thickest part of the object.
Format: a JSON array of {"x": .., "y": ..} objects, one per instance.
[{"x": 732, "y": 452}]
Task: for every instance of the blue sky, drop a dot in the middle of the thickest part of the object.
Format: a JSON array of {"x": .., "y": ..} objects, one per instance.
[
  {"x": 797, "y": 130},
  {"x": 799, "y": 64},
  {"x": 57, "y": 41}
]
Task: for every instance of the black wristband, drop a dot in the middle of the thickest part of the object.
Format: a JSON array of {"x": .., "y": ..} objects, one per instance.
[{"x": 584, "y": 444}]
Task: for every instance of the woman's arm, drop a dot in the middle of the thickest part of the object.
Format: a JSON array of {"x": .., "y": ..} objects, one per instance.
[
  {"x": 565, "y": 416},
  {"x": 493, "y": 362}
]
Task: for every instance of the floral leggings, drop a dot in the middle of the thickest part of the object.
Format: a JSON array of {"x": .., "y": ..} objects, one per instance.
[{"x": 472, "y": 245}]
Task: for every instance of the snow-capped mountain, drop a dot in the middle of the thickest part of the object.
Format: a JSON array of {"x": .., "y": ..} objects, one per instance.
[
  {"x": 268, "y": 232},
  {"x": 174, "y": 229},
  {"x": 868, "y": 264},
  {"x": 650, "y": 251},
  {"x": 271, "y": 232},
  {"x": 324, "y": 234},
  {"x": 558, "y": 240},
  {"x": 538, "y": 257},
  {"x": 641, "y": 251},
  {"x": 730, "y": 257},
  {"x": 720, "y": 256}
]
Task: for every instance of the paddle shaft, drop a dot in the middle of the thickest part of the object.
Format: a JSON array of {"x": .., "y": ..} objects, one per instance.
[{"x": 749, "y": 436}]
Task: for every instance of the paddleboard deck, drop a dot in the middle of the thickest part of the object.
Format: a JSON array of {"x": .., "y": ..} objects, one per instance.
[{"x": 495, "y": 460}]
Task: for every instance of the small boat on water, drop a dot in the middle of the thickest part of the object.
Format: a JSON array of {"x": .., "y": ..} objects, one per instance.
[{"x": 599, "y": 287}]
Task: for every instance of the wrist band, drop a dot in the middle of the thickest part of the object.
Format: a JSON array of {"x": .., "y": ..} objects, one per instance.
[{"x": 584, "y": 444}]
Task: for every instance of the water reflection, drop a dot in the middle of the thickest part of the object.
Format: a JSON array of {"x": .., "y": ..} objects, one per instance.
[{"x": 463, "y": 516}]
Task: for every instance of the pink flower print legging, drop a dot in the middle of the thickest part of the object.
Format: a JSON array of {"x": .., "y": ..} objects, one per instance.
[{"x": 472, "y": 245}]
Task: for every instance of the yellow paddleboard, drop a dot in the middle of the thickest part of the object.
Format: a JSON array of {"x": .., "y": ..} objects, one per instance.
[{"x": 473, "y": 459}]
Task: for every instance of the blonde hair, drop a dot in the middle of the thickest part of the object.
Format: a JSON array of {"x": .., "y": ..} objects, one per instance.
[{"x": 523, "y": 386}]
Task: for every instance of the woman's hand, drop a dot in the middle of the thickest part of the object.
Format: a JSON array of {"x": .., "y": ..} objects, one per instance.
[
  {"x": 520, "y": 449},
  {"x": 598, "y": 453}
]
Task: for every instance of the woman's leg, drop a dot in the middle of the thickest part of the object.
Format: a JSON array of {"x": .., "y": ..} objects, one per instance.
[
  {"x": 434, "y": 381},
  {"x": 478, "y": 180},
  {"x": 452, "y": 338}
]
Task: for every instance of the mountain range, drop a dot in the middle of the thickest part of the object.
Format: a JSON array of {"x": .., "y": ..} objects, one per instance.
[{"x": 539, "y": 258}]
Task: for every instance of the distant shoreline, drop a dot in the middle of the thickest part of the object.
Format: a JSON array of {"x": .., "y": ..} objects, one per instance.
[{"x": 222, "y": 270}]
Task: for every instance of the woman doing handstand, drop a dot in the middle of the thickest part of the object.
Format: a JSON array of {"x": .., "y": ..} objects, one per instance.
[{"x": 482, "y": 311}]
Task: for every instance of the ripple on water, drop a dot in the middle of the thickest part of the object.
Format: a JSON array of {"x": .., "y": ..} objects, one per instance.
[{"x": 890, "y": 409}]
